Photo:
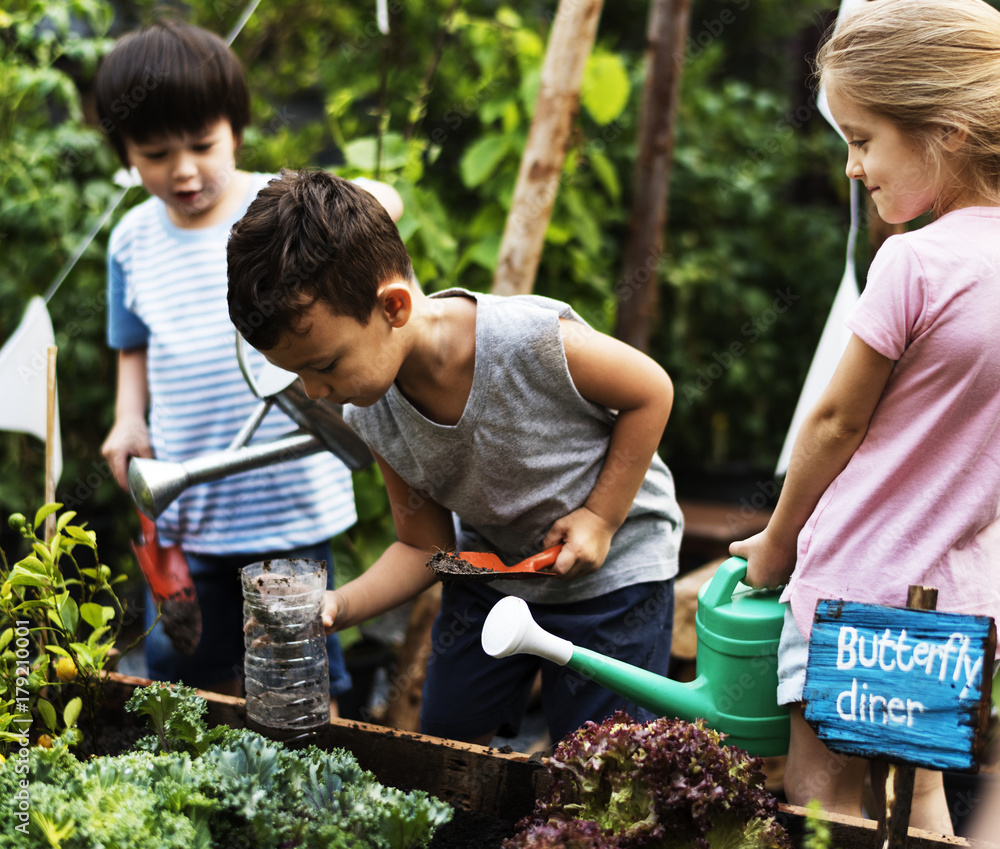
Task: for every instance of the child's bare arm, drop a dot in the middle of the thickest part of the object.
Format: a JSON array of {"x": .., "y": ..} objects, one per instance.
[
  {"x": 606, "y": 371},
  {"x": 423, "y": 527},
  {"x": 827, "y": 440},
  {"x": 385, "y": 195},
  {"x": 129, "y": 436}
]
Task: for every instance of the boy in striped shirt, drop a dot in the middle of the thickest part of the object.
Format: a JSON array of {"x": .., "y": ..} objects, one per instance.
[{"x": 173, "y": 102}]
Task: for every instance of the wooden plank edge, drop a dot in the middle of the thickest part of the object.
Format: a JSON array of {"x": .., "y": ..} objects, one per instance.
[{"x": 857, "y": 833}]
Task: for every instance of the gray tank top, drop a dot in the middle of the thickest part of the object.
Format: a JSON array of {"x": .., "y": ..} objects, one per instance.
[{"x": 527, "y": 450}]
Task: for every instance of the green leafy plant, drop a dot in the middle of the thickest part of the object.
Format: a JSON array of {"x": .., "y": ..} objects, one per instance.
[
  {"x": 817, "y": 829},
  {"x": 666, "y": 783},
  {"x": 175, "y": 715},
  {"x": 189, "y": 786},
  {"x": 59, "y": 621}
]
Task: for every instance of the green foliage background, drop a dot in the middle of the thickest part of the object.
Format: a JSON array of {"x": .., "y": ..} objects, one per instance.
[{"x": 441, "y": 108}]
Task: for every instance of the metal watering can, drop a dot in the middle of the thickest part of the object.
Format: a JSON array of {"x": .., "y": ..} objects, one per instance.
[
  {"x": 154, "y": 484},
  {"x": 735, "y": 691}
]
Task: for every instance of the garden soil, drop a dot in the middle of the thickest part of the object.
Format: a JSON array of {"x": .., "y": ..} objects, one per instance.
[
  {"x": 181, "y": 620},
  {"x": 472, "y": 830},
  {"x": 447, "y": 566}
]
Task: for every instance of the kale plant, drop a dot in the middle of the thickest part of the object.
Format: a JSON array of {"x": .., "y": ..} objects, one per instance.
[
  {"x": 174, "y": 713},
  {"x": 188, "y": 787},
  {"x": 666, "y": 783}
]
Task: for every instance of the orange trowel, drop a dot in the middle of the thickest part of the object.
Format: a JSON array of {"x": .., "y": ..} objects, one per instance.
[
  {"x": 166, "y": 571},
  {"x": 482, "y": 566}
]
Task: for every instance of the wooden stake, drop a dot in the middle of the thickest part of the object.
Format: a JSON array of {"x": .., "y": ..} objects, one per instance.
[
  {"x": 50, "y": 430},
  {"x": 403, "y": 704},
  {"x": 894, "y": 824},
  {"x": 570, "y": 42}
]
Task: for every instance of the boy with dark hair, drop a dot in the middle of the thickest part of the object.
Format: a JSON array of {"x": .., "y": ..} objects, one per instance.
[
  {"x": 511, "y": 414},
  {"x": 173, "y": 101}
]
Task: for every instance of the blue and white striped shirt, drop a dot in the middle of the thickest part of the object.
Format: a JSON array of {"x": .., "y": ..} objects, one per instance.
[{"x": 167, "y": 291}]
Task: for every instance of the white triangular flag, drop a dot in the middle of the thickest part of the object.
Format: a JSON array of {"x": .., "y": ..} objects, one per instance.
[
  {"x": 24, "y": 379},
  {"x": 835, "y": 336}
]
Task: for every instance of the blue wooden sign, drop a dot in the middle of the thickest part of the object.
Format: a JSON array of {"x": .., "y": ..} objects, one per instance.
[{"x": 907, "y": 686}]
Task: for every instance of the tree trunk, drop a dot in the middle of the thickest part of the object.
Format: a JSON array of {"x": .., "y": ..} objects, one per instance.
[
  {"x": 637, "y": 289},
  {"x": 570, "y": 42}
]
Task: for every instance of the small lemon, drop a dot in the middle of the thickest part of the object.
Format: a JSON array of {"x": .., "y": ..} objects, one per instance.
[
  {"x": 45, "y": 741},
  {"x": 66, "y": 669}
]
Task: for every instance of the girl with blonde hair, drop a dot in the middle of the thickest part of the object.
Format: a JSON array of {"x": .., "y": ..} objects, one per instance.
[{"x": 895, "y": 475}]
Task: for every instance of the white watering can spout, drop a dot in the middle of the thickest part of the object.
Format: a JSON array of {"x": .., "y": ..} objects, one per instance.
[{"x": 509, "y": 629}]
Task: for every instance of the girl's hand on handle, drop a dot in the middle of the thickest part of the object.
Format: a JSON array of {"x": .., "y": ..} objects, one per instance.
[
  {"x": 768, "y": 565},
  {"x": 585, "y": 538}
]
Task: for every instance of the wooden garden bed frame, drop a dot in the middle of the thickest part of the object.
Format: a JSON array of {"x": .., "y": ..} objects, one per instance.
[{"x": 482, "y": 778}]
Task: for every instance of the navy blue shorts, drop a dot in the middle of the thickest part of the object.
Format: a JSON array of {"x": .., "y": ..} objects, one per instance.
[
  {"x": 219, "y": 655},
  {"x": 469, "y": 694}
]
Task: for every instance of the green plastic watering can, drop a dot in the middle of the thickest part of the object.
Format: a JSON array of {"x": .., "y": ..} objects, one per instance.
[{"x": 735, "y": 690}]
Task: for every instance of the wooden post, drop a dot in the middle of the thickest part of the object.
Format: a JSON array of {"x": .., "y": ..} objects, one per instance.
[
  {"x": 895, "y": 822},
  {"x": 406, "y": 692},
  {"x": 637, "y": 299},
  {"x": 570, "y": 42},
  {"x": 50, "y": 431}
]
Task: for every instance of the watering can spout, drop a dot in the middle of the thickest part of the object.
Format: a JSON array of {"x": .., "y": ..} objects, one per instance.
[
  {"x": 736, "y": 688},
  {"x": 155, "y": 484},
  {"x": 509, "y": 629}
]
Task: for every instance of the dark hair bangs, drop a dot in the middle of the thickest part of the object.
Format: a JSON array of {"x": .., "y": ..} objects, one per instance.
[{"x": 168, "y": 79}]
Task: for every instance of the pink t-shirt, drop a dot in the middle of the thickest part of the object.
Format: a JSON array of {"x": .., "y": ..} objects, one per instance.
[{"x": 918, "y": 502}]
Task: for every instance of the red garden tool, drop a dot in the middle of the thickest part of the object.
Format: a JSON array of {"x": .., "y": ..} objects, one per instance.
[
  {"x": 166, "y": 571},
  {"x": 481, "y": 566}
]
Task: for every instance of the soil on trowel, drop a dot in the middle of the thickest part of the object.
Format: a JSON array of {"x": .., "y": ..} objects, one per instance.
[
  {"x": 181, "y": 620},
  {"x": 450, "y": 567}
]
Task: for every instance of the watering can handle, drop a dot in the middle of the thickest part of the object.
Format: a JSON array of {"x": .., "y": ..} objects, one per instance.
[
  {"x": 241, "y": 358},
  {"x": 269, "y": 382},
  {"x": 724, "y": 582}
]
